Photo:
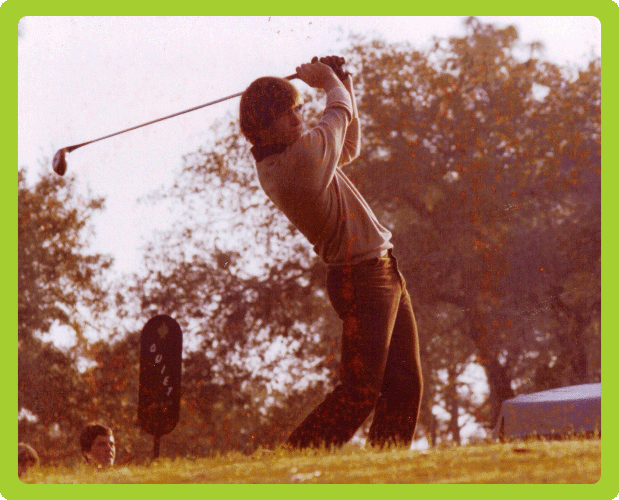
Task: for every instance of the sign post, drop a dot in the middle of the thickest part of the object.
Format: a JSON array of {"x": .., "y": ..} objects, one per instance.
[{"x": 161, "y": 345}]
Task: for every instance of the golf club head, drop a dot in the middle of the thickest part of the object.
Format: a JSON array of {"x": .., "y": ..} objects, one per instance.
[{"x": 59, "y": 162}]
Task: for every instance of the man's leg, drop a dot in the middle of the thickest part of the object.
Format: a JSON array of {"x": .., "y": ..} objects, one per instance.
[
  {"x": 397, "y": 409},
  {"x": 367, "y": 299}
]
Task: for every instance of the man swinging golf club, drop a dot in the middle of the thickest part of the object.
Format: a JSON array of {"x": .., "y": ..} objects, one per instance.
[{"x": 300, "y": 172}]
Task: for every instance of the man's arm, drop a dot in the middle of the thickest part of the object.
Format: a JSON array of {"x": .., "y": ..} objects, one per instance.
[
  {"x": 352, "y": 142},
  {"x": 317, "y": 152},
  {"x": 319, "y": 75}
]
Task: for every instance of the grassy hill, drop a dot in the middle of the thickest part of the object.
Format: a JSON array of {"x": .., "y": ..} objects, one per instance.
[{"x": 576, "y": 461}]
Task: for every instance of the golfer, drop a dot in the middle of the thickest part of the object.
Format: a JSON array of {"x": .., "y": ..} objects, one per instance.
[{"x": 300, "y": 171}]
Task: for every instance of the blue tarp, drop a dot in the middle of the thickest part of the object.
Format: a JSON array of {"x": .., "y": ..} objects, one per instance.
[{"x": 573, "y": 409}]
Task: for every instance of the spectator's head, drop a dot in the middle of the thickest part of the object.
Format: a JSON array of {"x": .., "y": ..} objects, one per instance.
[
  {"x": 98, "y": 447},
  {"x": 27, "y": 458},
  {"x": 263, "y": 102}
]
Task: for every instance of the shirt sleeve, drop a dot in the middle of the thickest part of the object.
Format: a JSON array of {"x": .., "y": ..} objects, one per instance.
[
  {"x": 320, "y": 150},
  {"x": 352, "y": 141}
]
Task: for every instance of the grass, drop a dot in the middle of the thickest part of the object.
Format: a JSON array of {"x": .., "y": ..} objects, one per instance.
[{"x": 538, "y": 462}]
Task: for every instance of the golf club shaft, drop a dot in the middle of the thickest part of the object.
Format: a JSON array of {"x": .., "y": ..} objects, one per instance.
[
  {"x": 59, "y": 162},
  {"x": 72, "y": 148}
]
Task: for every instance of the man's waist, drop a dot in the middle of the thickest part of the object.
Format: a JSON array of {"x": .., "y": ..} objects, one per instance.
[{"x": 368, "y": 258}]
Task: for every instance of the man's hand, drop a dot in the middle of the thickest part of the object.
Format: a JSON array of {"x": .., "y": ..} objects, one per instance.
[
  {"x": 318, "y": 75},
  {"x": 336, "y": 63}
]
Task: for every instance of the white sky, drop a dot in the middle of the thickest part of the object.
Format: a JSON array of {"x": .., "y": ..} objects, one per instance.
[{"x": 85, "y": 77}]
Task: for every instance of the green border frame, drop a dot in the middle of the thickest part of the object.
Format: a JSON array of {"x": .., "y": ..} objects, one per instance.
[{"x": 607, "y": 11}]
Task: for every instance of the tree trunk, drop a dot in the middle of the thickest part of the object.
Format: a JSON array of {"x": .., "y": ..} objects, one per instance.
[
  {"x": 452, "y": 404},
  {"x": 499, "y": 381},
  {"x": 433, "y": 431}
]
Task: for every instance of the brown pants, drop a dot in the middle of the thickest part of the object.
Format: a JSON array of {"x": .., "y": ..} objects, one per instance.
[{"x": 380, "y": 367}]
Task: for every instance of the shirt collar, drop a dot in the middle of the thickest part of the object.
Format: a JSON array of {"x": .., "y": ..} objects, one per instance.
[{"x": 261, "y": 152}]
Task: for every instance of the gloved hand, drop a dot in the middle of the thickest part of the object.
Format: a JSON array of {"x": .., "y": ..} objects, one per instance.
[{"x": 336, "y": 63}]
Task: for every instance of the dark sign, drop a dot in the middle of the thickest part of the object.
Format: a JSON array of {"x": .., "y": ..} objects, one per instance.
[{"x": 160, "y": 375}]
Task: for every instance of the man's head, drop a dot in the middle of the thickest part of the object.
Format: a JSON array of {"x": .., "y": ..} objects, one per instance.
[
  {"x": 269, "y": 112},
  {"x": 27, "y": 458},
  {"x": 97, "y": 443}
]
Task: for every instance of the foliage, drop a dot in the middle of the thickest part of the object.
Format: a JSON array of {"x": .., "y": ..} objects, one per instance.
[
  {"x": 493, "y": 195},
  {"x": 57, "y": 278},
  {"x": 55, "y": 274}
]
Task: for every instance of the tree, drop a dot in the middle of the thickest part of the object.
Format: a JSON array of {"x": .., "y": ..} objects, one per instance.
[
  {"x": 473, "y": 171},
  {"x": 562, "y": 232},
  {"x": 54, "y": 271},
  {"x": 56, "y": 277}
]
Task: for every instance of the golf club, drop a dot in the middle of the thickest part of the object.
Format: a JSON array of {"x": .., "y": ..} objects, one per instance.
[{"x": 59, "y": 162}]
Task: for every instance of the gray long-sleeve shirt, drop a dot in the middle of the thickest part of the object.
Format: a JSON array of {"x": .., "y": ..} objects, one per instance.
[{"x": 306, "y": 183}]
